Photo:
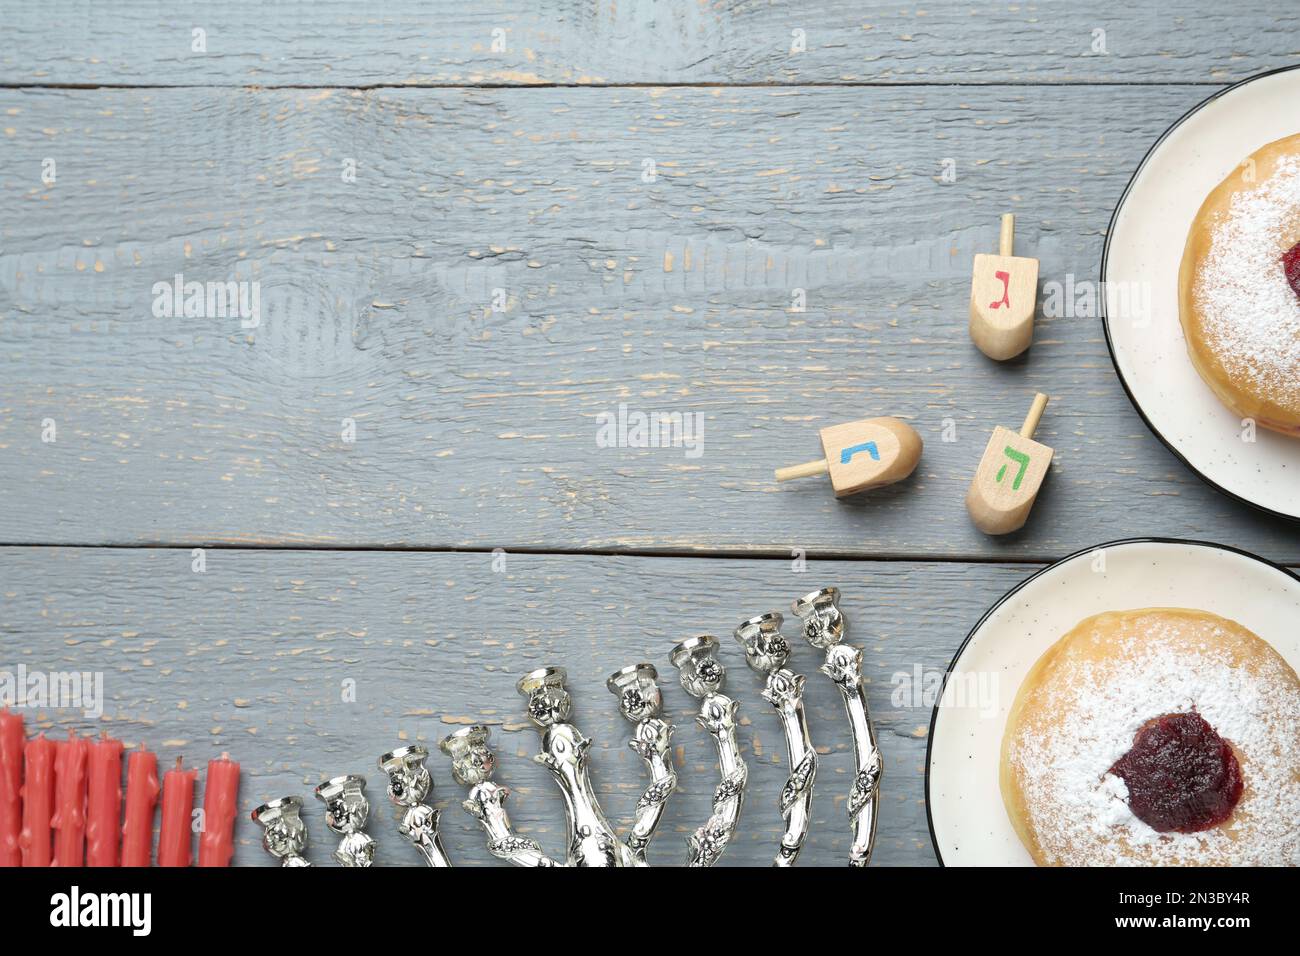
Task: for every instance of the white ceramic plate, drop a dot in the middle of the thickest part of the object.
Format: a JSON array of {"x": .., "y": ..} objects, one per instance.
[
  {"x": 968, "y": 822},
  {"x": 1144, "y": 245}
]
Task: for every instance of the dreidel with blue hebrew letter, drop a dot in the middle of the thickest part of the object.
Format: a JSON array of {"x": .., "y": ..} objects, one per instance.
[
  {"x": 862, "y": 455},
  {"x": 1003, "y": 297},
  {"x": 1009, "y": 475}
]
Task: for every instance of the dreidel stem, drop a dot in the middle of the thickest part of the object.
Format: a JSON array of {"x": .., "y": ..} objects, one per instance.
[
  {"x": 1007, "y": 239},
  {"x": 1035, "y": 413},
  {"x": 806, "y": 470}
]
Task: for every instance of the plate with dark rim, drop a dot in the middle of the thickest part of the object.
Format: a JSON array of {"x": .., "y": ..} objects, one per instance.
[
  {"x": 1139, "y": 272},
  {"x": 968, "y": 821}
]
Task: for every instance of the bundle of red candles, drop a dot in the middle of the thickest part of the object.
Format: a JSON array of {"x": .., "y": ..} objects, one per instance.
[{"x": 61, "y": 804}]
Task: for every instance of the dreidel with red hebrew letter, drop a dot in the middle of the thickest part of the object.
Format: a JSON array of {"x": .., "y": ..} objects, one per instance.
[
  {"x": 1003, "y": 296},
  {"x": 862, "y": 455},
  {"x": 1009, "y": 475}
]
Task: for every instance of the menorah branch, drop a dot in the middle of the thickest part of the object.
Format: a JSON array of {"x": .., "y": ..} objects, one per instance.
[
  {"x": 823, "y": 628},
  {"x": 766, "y": 652},
  {"x": 864, "y": 798},
  {"x": 472, "y": 765},
  {"x": 703, "y": 676},
  {"x": 641, "y": 703},
  {"x": 566, "y": 754}
]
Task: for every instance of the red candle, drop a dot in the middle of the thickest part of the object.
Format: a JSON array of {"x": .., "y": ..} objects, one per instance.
[
  {"x": 69, "y": 820},
  {"x": 103, "y": 802},
  {"x": 38, "y": 801},
  {"x": 220, "y": 795},
  {"x": 174, "y": 843},
  {"x": 12, "y": 737},
  {"x": 141, "y": 798}
]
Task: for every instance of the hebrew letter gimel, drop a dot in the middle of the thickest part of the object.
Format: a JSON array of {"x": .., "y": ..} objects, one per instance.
[{"x": 1006, "y": 291}]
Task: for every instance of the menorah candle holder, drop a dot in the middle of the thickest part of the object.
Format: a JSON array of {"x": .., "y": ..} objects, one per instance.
[
  {"x": 346, "y": 810},
  {"x": 766, "y": 652},
  {"x": 823, "y": 628},
  {"x": 566, "y": 753},
  {"x": 284, "y": 835},
  {"x": 703, "y": 676},
  {"x": 641, "y": 703},
  {"x": 472, "y": 765},
  {"x": 409, "y": 785}
]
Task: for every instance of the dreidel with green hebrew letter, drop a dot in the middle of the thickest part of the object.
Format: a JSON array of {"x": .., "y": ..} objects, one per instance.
[
  {"x": 1009, "y": 475},
  {"x": 862, "y": 455}
]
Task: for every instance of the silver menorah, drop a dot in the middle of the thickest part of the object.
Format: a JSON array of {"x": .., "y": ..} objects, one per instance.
[{"x": 590, "y": 838}]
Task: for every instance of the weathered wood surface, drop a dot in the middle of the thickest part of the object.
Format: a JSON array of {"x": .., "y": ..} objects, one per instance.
[
  {"x": 251, "y": 656},
  {"x": 478, "y": 428},
  {"x": 342, "y": 43}
]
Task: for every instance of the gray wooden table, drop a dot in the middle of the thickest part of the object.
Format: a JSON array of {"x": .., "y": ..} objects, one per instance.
[{"x": 474, "y": 231}]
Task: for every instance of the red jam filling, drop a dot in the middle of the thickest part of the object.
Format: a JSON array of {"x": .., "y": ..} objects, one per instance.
[
  {"x": 1181, "y": 775},
  {"x": 1291, "y": 265}
]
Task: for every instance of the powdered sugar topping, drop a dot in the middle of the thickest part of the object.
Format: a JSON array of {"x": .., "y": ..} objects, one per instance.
[
  {"x": 1250, "y": 312},
  {"x": 1079, "y": 810}
]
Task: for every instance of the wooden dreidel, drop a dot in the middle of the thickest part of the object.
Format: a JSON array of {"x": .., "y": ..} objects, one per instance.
[
  {"x": 1003, "y": 296},
  {"x": 1009, "y": 475},
  {"x": 862, "y": 455}
]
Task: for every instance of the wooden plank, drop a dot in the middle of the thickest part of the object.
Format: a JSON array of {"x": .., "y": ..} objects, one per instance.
[
  {"x": 480, "y": 427},
  {"x": 251, "y": 656},
  {"x": 340, "y": 43}
]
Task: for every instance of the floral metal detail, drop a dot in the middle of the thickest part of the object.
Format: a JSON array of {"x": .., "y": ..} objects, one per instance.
[
  {"x": 548, "y": 702},
  {"x": 409, "y": 785},
  {"x": 864, "y": 786},
  {"x": 799, "y": 783},
  {"x": 843, "y": 665},
  {"x": 284, "y": 835},
  {"x": 346, "y": 812}
]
